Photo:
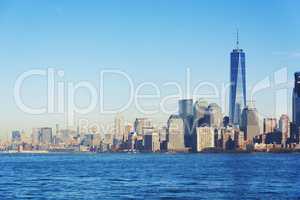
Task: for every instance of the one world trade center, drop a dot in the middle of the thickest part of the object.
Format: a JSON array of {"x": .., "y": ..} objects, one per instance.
[{"x": 237, "y": 96}]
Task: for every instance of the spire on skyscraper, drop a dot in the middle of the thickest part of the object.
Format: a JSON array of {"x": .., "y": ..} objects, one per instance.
[{"x": 237, "y": 38}]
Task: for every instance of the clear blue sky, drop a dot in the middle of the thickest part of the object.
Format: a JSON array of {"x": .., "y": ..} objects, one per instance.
[{"x": 149, "y": 40}]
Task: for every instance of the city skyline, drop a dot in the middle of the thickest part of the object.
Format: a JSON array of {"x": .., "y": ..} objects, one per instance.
[
  {"x": 152, "y": 99},
  {"x": 151, "y": 56}
]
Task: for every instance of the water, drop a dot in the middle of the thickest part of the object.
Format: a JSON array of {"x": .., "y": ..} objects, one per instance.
[{"x": 150, "y": 176}]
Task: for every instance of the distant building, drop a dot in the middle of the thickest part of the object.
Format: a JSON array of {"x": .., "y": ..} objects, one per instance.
[
  {"x": 151, "y": 140},
  {"x": 45, "y": 136},
  {"x": 16, "y": 137},
  {"x": 175, "y": 134},
  {"x": 185, "y": 107},
  {"x": 241, "y": 140},
  {"x": 199, "y": 110},
  {"x": 87, "y": 139},
  {"x": 205, "y": 115},
  {"x": 186, "y": 113},
  {"x": 284, "y": 127},
  {"x": 131, "y": 141},
  {"x": 270, "y": 125},
  {"x": 128, "y": 130},
  {"x": 226, "y": 121},
  {"x": 57, "y": 130},
  {"x": 237, "y": 96},
  {"x": 35, "y": 136},
  {"x": 141, "y": 123},
  {"x": 119, "y": 128},
  {"x": 205, "y": 138},
  {"x": 215, "y": 117},
  {"x": 108, "y": 140},
  {"x": 296, "y": 108},
  {"x": 250, "y": 123},
  {"x": 66, "y": 135},
  {"x": 274, "y": 137},
  {"x": 162, "y": 132},
  {"x": 228, "y": 138}
]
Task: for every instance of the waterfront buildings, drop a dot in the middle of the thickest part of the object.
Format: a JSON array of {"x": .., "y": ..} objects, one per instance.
[{"x": 196, "y": 127}]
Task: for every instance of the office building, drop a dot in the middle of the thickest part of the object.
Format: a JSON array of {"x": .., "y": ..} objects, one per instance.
[
  {"x": 199, "y": 109},
  {"x": 205, "y": 138},
  {"x": 270, "y": 125},
  {"x": 162, "y": 132},
  {"x": 45, "y": 136},
  {"x": 151, "y": 140},
  {"x": 214, "y": 115},
  {"x": 175, "y": 133},
  {"x": 228, "y": 138},
  {"x": 284, "y": 127},
  {"x": 185, "y": 107},
  {"x": 250, "y": 123},
  {"x": 237, "y": 96},
  {"x": 16, "y": 137},
  {"x": 226, "y": 121},
  {"x": 128, "y": 130},
  {"x": 140, "y": 124},
  {"x": 296, "y": 108},
  {"x": 119, "y": 129}
]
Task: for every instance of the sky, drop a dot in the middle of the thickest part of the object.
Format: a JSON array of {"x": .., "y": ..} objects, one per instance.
[{"x": 150, "y": 41}]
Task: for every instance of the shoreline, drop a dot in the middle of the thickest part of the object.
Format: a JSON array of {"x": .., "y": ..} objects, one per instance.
[{"x": 203, "y": 152}]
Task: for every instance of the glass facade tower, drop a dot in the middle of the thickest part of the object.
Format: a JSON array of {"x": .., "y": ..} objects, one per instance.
[
  {"x": 237, "y": 96},
  {"x": 296, "y": 107}
]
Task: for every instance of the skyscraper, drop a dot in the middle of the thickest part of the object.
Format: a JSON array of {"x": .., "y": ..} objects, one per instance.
[
  {"x": 175, "y": 133},
  {"x": 15, "y": 137},
  {"x": 46, "y": 136},
  {"x": 141, "y": 123},
  {"x": 215, "y": 117},
  {"x": 237, "y": 96},
  {"x": 186, "y": 113},
  {"x": 119, "y": 129},
  {"x": 151, "y": 140},
  {"x": 284, "y": 127},
  {"x": 270, "y": 125},
  {"x": 185, "y": 107},
  {"x": 199, "y": 109},
  {"x": 296, "y": 107},
  {"x": 250, "y": 122},
  {"x": 205, "y": 138}
]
